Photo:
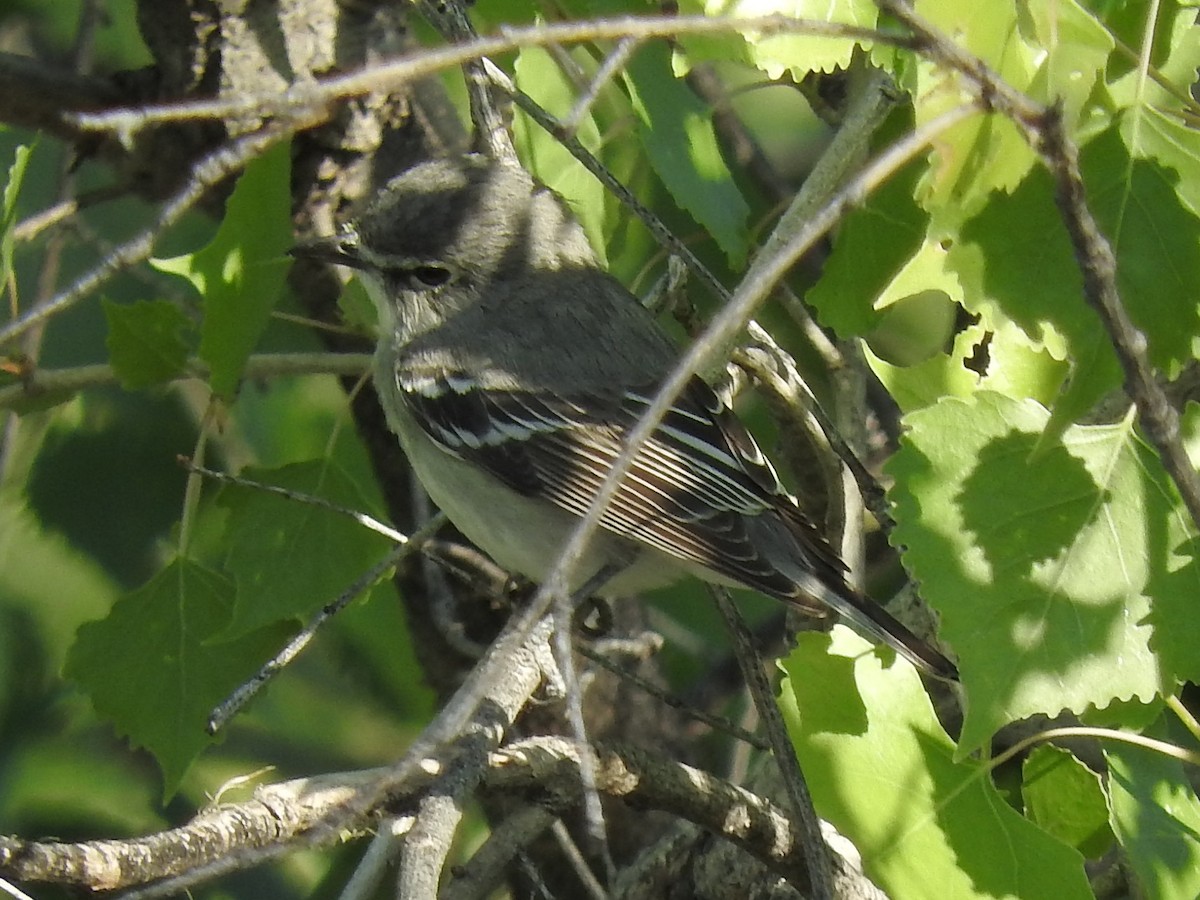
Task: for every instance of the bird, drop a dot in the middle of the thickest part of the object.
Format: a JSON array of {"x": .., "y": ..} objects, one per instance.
[{"x": 512, "y": 366}]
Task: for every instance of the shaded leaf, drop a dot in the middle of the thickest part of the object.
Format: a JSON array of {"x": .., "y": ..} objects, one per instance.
[
  {"x": 290, "y": 558},
  {"x": 871, "y": 248},
  {"x": 1042, "y": 564},
  {"x": 1153, "y": 135},
  {"x": 1156, "y": 817},
  {"x": 1067, "y": 799},
  {"x": 1016, "y": 261},
  {"x": 1016, "y": 264},
  {"x": 153, "y": 669},
  {"x": 145, "y": 341}
]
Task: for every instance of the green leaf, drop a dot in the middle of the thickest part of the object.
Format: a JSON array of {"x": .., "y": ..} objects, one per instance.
[
  {"x": 697, "y": 48},
  {"x": 1016, "y": 261},
  {"x": 290, "y": 558},
  {"x": 1004, "y": 361},
  {"x": 357, "y": 308},
  {"x": 872, "y": 247},
  {"x": 1156, "y": 817},
  {"x": 1174, "y": 52},
  {"x": 545, "y": 157},
  {"x": 986, "y": 152},
  {"x": 46, "y": 577},
  {"x": 799, "y": 54},
  {"x": 1020, "y": 368},
  {"x": 1016, "y": 264},
  {"x": 882, "y": 770},
  {"x": 240, "y": 274},
  {"x": 915, "y": 327},
  {"x": 1043, "y": 567},
  {"x": 945, "y": 374},
  {"x": 1156, "y": 242},
  {"x": 1066, "y": 799},
  {"x": 8, "y": 211},
  {"x": 66, "y": 779},
  {"x": 145, "y": 341},
  {"x": 1077, "y": 48},
  {"x": 1154, "y": 135},
  {"x": 153, "y": 669},
  {"x": 676, "y": 130}
]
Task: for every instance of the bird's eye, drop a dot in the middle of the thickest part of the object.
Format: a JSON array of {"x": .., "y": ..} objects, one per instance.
[{"x": 429, "y": 276}]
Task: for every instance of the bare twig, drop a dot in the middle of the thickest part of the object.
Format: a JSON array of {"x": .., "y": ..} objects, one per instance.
[
  {"x": 35, "y": 96},
  {"x": 209, "y": 171},
  {"x": 650, "y": 781},
  {"x": 450, "y": 18},
  {"x": 608, "y": 69},
  {"x": 427, "y": 844},
  {"x": 278, "y": 814},
  {"x": 307, "y": 98},
  {"x": 294, "y": 813},
  {"x": 368, "y": 522},
  {"x": 812, "y": 842},
  {"x": 479, "y": 876},
  {"x": 45, "y": 386}
]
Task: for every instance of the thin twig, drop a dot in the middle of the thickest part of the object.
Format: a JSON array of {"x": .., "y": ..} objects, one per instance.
[
  {"x": 368, "y": 522},
  {"x": 812, "y": 842},
  {"x": 308, "y": 97},
  {"x": 714, "y": 722},
  {"x": 34, "y": 95},
  {"x": 209, "y": 171},
  {"x": 450, "y": 18},
  {"x": 607, "y": 71},
  {"x": 246, "y": 692},
  {"x": 480, "y": 876},
  {"x": 45, "y": 386}
]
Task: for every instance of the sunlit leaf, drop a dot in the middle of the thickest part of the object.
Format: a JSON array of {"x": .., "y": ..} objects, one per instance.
[
  {"x": 882, "y": 770},
  {"x": 240, "y": 273},
  {"x": 1047, "y": 567},
  {"x": 677, "y": 132}
]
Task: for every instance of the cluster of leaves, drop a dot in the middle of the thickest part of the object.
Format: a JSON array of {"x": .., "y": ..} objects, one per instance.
[{"x": 1056, "y": 552}]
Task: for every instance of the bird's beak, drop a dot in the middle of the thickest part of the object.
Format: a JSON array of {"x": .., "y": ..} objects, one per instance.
[{"x": 338, "y": 250}]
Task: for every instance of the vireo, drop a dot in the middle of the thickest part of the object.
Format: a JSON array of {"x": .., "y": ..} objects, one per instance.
[{"x": 512, "y": 366}]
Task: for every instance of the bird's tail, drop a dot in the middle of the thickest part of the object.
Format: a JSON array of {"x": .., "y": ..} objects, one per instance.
[{"x": 881, "y": 624}]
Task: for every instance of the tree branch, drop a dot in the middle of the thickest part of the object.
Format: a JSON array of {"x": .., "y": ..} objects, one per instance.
[{"x": 40, "y": 98}]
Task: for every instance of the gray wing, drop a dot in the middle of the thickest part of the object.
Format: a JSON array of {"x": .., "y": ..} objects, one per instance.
[{"x": 699, "y": 489}]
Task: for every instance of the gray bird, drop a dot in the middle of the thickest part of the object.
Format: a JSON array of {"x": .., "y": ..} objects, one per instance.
[{"x": 511, "y": 366}]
